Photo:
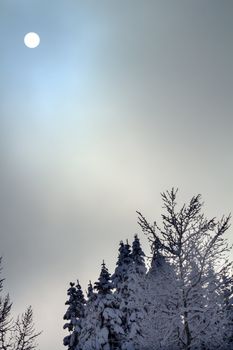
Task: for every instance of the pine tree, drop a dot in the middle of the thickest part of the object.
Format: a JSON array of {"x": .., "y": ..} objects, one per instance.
[
  {"x": 87, "y": 338},
  {"x": 104, "y": 285},
  {"x": 102, "y": 325},
  {"x": 122, "y": 264},
  {"x": 138, "y": 256},
  {"x": 74, "y": 315},
  {"x": 130, "y": 292},
  {"x": 110, "y": 331},
  {"x": 70, "y": 314},
  {"x": 90, "y": 293},
  {"x": 80, "y": 306},
  {"x": 132, "y": 307}
]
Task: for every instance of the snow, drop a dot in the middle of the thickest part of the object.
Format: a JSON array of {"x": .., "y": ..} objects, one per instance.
[{"x": 184, "y": 300}]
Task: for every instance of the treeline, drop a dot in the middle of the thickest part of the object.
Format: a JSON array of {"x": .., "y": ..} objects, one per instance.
[{"x": 184, "y": 300}]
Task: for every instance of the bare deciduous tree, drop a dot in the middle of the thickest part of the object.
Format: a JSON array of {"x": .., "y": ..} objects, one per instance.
[
  {"x": 19, "y": 334},
  {"x": 24, "y": 331}
]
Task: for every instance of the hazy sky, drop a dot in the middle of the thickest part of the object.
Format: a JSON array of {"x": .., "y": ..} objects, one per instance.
[{"x": 121, "y": 101}]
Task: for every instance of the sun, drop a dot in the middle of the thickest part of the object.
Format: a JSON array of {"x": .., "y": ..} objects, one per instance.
[{"x": 32, "y": 40}]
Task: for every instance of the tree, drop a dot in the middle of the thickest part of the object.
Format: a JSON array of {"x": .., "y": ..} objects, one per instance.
[
  {"x": 74, "y": 315},
  {"x": 160, "y": 326},
  {"x": 124, "y": 259},
  {"x": 191, "y": 244},
  {"x": 5, "y": 322},
  {"x": 80, "y": 307},
  {"x": 110, "y": 332},
  {"x": 227, "y": 305},
  {"x": 183, "y": 302},
  {"x": 19, "y": 334},
  {"x": 129, "y": 274},
  {"x": 87, "y": 338},
  {"x": 90, "y": 293},
  {"x": 102, "y": 324},
  {"x": 138, "y": 256},
  {"x": 24, "y": 333},
  {"x": 132, "y": 307}
]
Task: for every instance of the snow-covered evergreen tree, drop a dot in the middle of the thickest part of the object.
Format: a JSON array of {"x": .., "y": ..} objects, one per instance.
[
  {"x": 133, "y": 308},
  {"x": 91, "y": 295},
  {"x": 130, "y": 271},
  {"x": 138, "y": 256},
  {"x": 104, "y": 284},
  {"x": 122, "y": 265},
  {"x": 87, "y": 338},
  {"x": 74, "y": 315},
  {"x": 102, "y": 328}
]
